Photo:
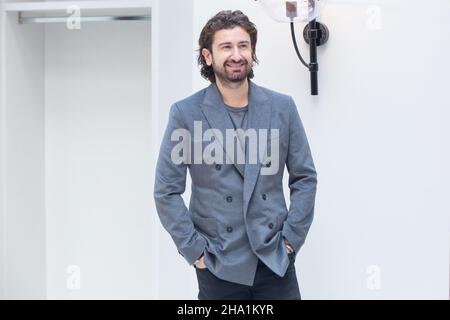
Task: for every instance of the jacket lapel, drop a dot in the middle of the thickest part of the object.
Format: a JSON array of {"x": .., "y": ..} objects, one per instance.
[
  {"x": 215, "y": 112},
  {"x": 259, "y": 115}
]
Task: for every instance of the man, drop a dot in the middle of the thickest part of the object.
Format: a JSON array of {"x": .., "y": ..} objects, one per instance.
[{"x": 235, "y": 138}]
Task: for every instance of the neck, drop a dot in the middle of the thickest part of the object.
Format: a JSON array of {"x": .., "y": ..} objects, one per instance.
[{"x": 234, "y": 94}]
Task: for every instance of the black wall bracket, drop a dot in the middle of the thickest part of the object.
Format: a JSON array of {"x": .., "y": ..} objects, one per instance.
[
  {"x": 315, "y": 34},
  {"x": 320, "y": 33}
]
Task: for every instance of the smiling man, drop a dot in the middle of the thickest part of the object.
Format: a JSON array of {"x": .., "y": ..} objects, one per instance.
[{"x": 237, "y": 232}]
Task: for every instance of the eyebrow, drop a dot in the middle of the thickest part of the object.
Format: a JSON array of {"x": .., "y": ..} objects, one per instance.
[{"x": 240, "y": 42}]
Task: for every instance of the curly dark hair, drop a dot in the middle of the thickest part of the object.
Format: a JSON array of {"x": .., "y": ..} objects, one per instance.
[{"x": 225, "y": 19}]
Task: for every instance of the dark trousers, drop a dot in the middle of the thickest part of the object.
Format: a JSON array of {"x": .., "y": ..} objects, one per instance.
[{"x": 267, "y": 285}]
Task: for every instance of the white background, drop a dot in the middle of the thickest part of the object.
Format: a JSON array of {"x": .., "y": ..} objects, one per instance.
[{"x": 82, "y": 116}]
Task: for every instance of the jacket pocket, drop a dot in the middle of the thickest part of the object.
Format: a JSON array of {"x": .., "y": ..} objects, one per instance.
[{"x": 206, "y": 226}]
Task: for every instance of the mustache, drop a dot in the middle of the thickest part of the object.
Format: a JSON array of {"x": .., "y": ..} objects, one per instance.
[{"x": 245, "y": 62}]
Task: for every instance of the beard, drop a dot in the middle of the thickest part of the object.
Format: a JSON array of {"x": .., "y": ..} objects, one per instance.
[{"x": 232, "y": 72}]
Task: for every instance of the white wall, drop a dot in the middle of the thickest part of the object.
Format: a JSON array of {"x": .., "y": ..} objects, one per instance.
[
  {"x": 2, "y": 165},
  {"x": 23, "y": 225},
  {"x": 377, "y": 135},
  {"x": 175, "y": 278},
  {"x": 94, "y": 101},
  {"x": 98, "y": 111}
]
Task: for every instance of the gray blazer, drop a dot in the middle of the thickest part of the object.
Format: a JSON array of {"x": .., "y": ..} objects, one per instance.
[{"x": 236, "y": 214}]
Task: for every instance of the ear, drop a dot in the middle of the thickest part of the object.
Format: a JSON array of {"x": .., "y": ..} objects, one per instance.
[{"x": 207, "y": 56}]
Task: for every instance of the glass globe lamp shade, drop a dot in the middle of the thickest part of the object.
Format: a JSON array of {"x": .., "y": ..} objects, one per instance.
[{"x": 292, "y": 11}]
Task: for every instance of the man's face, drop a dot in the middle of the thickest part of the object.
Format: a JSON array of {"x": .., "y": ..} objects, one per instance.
[{"x": 231, "y": 56}]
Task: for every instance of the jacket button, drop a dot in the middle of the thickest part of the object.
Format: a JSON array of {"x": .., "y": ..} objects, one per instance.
[
  {"x": 229, "y": 229},
  {"x": 271, "y": 225},
  {"x": 218, "y": 167},
  {"x": 229, "y": 198},
  {"x": 263, "y": 196}
]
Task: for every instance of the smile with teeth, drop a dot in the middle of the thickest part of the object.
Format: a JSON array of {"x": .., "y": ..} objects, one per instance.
[{"x": 235, "y": 66}]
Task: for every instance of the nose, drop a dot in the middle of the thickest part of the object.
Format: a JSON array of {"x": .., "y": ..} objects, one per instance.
[{"x": 236, "y": 55}]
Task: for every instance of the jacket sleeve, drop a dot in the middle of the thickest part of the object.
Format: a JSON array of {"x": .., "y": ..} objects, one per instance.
[
  {"x": 170, "y": 183},
  {"x": 302, "y": 182}
]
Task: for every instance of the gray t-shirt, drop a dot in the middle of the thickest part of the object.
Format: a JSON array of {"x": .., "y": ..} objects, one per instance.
[{"x": 238, "y": 117}]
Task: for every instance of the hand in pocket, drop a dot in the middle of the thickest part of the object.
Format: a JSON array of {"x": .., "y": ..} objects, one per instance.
[{"x": 200, "y": 264}]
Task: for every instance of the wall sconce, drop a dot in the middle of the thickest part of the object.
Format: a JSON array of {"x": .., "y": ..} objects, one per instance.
[{"x": 315, "y": 33}]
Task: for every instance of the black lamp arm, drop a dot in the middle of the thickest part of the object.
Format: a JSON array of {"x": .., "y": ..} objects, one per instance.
[
  {"x": 296, "y": 47},
  {"x": 315, "y": 34}
]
